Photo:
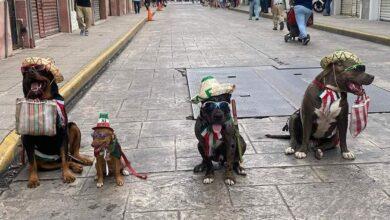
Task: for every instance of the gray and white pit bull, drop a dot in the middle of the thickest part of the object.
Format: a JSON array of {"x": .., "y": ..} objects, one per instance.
[{"x": 326, "y": 131}]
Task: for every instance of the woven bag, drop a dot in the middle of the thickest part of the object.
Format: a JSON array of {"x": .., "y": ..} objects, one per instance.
[{"x": 36, "y": 118}]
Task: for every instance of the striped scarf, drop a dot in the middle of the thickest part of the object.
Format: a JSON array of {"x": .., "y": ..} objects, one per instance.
[
  {"x": 212, "y": 140},
  {"x": 328, "y": 97},
  {"x": 63, "y": 119}
]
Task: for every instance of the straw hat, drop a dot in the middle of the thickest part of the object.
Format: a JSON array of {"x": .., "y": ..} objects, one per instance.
[
  {"x": 48, "y": 63},
  {"x": 211, "y": 87},
  {"x": 339, "y": 56}
]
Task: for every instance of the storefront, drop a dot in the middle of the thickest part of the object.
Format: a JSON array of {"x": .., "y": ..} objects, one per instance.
[
  {"x": 385, "y": 10},
  {"x": 350, "y": 7},
  {"x": 45, "y": 18}
]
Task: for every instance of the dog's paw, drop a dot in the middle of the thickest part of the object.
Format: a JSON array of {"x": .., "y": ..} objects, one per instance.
[
  {"x": 76, "y": 168},
  {"x": 240, "y": 170},
  {"x": 300, "y": 155},
  {"x": 199, "y": 168},
  {"x": 208, "y": 180},
  {"x": 348, "y": 155},
  {"x": 289, "y": 151},
  {"x": 33, "y": 183},
  {"x": 68, "y": 177},
  {"x": 119, "y": 181},
  {"x": 125, "y": 172},
  {"x": 319, "y": 154},
  {"x": 99, "y": 184},
  {"x": 229, "y": 182},
  {"x": 83, "y": 159}
]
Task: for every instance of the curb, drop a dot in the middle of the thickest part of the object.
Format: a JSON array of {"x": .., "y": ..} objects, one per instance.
[
  {"x": 380, "y": 39},
  {"x": 8, "y": 146}
]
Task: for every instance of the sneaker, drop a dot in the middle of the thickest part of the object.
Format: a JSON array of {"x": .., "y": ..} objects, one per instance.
[
  {"x": 326, "y": 14},
  {"x": 86, "y": 33},
  {"x": 257, "y": 19},
  {"x": 82, "y": 32},
  {"x": 281, "y": 25},
  {"x": 250, "y": 19},
  {"x": 274, "y": 29},
  {"x": 305, "y": 41}
]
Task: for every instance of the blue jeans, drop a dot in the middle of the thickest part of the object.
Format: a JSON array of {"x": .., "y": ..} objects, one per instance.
[
  {"x": 254, "y": 7},
  {"x": 327, "y": 6},
  {"x": 302, "y": 14}
]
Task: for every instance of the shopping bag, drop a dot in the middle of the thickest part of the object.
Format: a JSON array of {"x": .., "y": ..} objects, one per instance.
[
  {"x": 359, "y": 115},
  {"x": 36, "y": 118}
]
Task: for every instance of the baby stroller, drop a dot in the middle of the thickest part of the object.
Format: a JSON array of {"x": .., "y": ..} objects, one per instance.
[{"x": 292, "y": 26}]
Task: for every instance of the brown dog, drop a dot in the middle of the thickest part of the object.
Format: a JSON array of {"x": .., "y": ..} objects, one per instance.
[
  {"x": 108, "y": 155},
  {"x": 40, "y": 78}
]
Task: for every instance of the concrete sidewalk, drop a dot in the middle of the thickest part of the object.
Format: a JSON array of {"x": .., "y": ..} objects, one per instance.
[
  {"x": 147, "y": 100},
  {"x": 71, "y": 53},
  {"x": 374, "y": 31}
]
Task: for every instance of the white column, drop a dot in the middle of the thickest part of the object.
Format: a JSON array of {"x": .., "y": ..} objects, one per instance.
[
  {"x": 336, "y": 7},
  {"x": 374, "y": 12}
]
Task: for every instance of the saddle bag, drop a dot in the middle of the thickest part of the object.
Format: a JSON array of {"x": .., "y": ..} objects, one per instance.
[
  {"x": 36, "y": 118},
  {"x": 359, "y": 115}
]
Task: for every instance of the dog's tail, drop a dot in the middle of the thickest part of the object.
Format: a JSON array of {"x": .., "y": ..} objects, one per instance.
[
  {"x": 287, "y": 136},
  {"x": 285, "y": 128}
]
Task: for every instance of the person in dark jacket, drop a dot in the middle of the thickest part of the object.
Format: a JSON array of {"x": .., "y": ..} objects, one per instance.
[{"x": 303, "y": 10}]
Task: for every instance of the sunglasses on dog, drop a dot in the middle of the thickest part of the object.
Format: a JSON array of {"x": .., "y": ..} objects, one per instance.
[
  {"x": 32, "y": 68},
  {"x": 210, "y": 106},
  {"x": 356, "y": 68},
  {"x": 96, "y": 135}
]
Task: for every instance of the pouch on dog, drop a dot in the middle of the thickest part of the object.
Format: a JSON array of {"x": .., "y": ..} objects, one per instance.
[
  {"x": 36, "y": 118},
  {"x": 359, "y": 115}
]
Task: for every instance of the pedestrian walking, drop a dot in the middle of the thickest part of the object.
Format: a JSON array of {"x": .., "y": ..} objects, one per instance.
[
  {"x": 254, "y": 9},
  {"x": 277, "y": 10},
  {"x": 84, "y": 15},
  {"x": 303, "y": 11},
  {"x": 137, "y": 6},
  {"x": 327, "y": 8}
]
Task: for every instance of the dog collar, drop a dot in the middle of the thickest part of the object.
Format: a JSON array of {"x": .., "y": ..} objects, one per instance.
[{"x": 322, "y": 86}]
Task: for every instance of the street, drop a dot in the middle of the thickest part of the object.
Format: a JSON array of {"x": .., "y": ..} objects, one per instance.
[{"x": 146, "y": 93}]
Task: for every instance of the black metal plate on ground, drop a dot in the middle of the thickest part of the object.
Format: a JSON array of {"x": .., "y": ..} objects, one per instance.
[
  {"x": 254, "y": 96},
  {"x": 266, "y": 91},
  {"x": 292, "y": 83}
]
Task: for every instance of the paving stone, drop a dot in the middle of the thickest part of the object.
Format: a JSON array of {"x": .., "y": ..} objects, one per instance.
[
  {"x": 177, "y": 191},
  {"x": 152, "y": 159},
  {"x": 379, "y": 172},
  {"x": 180, "y": 128},
  {"x": 157, "y": 142},
  {"x": 47, "y": 189},
  {"x": 278, "y": 176},
  {"x": 263, "y": 212},
  {"x": 266, "y": 146},
  {"x": 152, "y": 215},
  {"x": 336, "y": 200},
  {"x": 255, "y": 196}
]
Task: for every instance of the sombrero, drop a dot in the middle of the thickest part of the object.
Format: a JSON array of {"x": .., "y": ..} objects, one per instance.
[
  {"x": 211, "y": 87},
  {"x": 48, "y": 64},
  {"x": 339, "y": 56}
]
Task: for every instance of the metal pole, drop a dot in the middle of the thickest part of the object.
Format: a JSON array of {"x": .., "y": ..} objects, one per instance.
[{"x": 6, "y": 28}]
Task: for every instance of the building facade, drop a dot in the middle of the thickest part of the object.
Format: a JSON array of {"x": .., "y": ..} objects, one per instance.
[{"x": 23, "y": 22}]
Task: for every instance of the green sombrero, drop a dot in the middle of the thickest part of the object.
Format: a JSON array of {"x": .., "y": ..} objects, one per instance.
[{"x": 340, "y": 56}]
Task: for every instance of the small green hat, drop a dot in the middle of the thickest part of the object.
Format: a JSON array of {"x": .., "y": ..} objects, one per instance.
[{"x": 103, "y": 121}]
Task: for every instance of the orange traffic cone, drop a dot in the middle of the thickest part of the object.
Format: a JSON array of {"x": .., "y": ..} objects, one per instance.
[{"x": 150, "y": 15}]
